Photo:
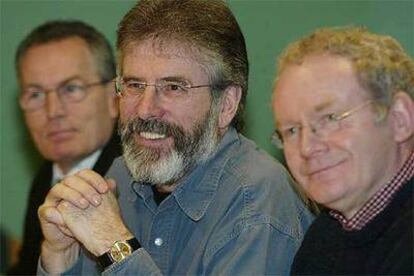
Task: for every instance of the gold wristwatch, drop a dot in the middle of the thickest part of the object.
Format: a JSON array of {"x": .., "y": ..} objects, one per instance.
[{"x": 118, "y": 251}]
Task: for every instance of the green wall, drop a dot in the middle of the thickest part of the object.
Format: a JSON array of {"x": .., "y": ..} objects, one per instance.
[{"x": 267, "y": 25}]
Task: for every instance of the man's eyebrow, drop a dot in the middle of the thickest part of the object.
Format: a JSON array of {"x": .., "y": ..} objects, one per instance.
[
  {"x": 323, "y": 105},
  {"x": 318, "y": 108},
  {"x": 279, "y": 125},
  {"x": 175, "y": 79},
  {"x": 32, "y": 85},
  {"x": 132, "y": 78},
  {"x": 69, "y": 79}
]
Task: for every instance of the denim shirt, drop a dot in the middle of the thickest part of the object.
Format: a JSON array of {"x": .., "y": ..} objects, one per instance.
[{"x": 235, "y": 214}]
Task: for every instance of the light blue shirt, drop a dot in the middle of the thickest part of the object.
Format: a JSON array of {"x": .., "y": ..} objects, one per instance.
[{"x": 235, "y": 214}]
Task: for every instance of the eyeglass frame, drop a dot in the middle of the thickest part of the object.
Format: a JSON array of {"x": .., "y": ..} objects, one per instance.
[
  {"x": 277, "y": 138},
  {"x": 158, "y": 87},
  {"x": 84, "y": 88}
]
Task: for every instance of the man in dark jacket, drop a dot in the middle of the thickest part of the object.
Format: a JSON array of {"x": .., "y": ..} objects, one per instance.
[
  {"x": 344, "y": 112},
  {"x": 65, "y": 71}
]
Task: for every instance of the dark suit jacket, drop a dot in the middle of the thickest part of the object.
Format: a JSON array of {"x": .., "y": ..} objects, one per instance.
[{"x": 30, "y": 251}]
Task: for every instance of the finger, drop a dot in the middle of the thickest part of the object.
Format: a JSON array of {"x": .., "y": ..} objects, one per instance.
[
  {"x": 53, "y": 197},
  {"x": 65, "y": 231},
  {"x": 84, "y": 188},
  {"x": 51, "y": 215},
  {"x": 61, "y": 192},
  {"x": 64, "y": 205},
  {"x": 111, "y": 184},
  {"x": 95, "y": 179}
]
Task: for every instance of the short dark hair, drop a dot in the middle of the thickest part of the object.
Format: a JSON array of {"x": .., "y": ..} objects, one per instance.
[
  {"x": 57, "y": 30},
  {"x": 208, "y": 27}
]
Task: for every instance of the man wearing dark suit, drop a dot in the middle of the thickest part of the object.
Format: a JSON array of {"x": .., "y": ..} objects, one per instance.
[{"x": 65, "y": 71}]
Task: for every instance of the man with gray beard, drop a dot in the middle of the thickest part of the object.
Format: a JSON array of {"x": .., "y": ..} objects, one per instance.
[
  {"x": 145, "y": 164},
  {"x": 194, "y": 195}
]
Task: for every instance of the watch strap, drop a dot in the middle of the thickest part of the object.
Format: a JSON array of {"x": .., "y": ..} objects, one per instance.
[
  {"x": 106, "y": 260},
  {"x": 134, "y": 243}
]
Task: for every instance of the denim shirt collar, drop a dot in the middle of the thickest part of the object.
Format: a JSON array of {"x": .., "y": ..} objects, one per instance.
[{"x": 198, "y": 189}]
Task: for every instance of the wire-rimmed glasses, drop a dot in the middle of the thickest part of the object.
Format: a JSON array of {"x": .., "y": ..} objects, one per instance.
[
  {"x": 167, "y": 89},
  {"x": 34, "y": 98},
  {"x": 323, "y": 126}
]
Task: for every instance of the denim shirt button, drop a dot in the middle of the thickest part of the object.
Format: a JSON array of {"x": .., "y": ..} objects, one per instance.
[{"x": 158, "y": 241}]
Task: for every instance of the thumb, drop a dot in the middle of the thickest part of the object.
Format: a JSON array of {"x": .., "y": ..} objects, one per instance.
[
  {"x": 112, "y": 185},
  {"x": 51, "y": 214}
]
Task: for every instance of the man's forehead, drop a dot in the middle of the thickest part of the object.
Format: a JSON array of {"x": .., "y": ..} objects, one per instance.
[
  {"x": 319, "y": 76},
  {"x": 163, "y": 48},
  {"x": 166, "y": 59},
  {"x": 58, "y": 60}
]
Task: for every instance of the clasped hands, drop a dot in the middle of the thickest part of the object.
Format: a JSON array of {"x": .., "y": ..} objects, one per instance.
[{"x": 80, "y": 210}]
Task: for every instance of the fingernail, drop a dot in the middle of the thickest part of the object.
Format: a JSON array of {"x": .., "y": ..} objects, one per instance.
[
  {"x": 103, "y": 187},
  {"x": 96, "y": 200},
  {"x": 83, "y": 202}
]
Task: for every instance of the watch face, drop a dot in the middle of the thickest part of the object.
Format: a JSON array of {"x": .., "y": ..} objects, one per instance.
[{"x": 120, "y": 250}]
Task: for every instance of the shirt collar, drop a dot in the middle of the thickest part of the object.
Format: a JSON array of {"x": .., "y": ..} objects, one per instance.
[
  {"x": 86, "y": 163},
  {"x": 195, "y": 193}
]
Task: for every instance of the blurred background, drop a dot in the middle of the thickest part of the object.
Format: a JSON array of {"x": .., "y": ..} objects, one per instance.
[{"x": 268, "y": 27}]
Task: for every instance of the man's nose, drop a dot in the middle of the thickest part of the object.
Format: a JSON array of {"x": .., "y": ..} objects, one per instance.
[
  {"x": 149, "y": 105},
  {"x": 54, "y": 105},
  {"x": 310, "y": 142}
]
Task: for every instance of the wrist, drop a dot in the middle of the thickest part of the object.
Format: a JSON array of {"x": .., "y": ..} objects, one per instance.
[
  {"x": 107, "y": 243},
  {"x": 118, "y": 252},
  {"x": 57, "y": 260}
]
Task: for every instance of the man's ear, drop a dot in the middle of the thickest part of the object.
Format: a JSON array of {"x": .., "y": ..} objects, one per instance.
[
  {"x": 113, "y": 100},
  {"x": 229, "y": 106},
  {"x": 402, "y": 115}
]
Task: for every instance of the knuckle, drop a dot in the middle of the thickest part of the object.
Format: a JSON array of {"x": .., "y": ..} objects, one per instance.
[
  {"x": 87, "y": 173},
  {"x": 71, "y": 181},
  {"x": 40, "y": 211},
  {"x": 45, "y": 213}
]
